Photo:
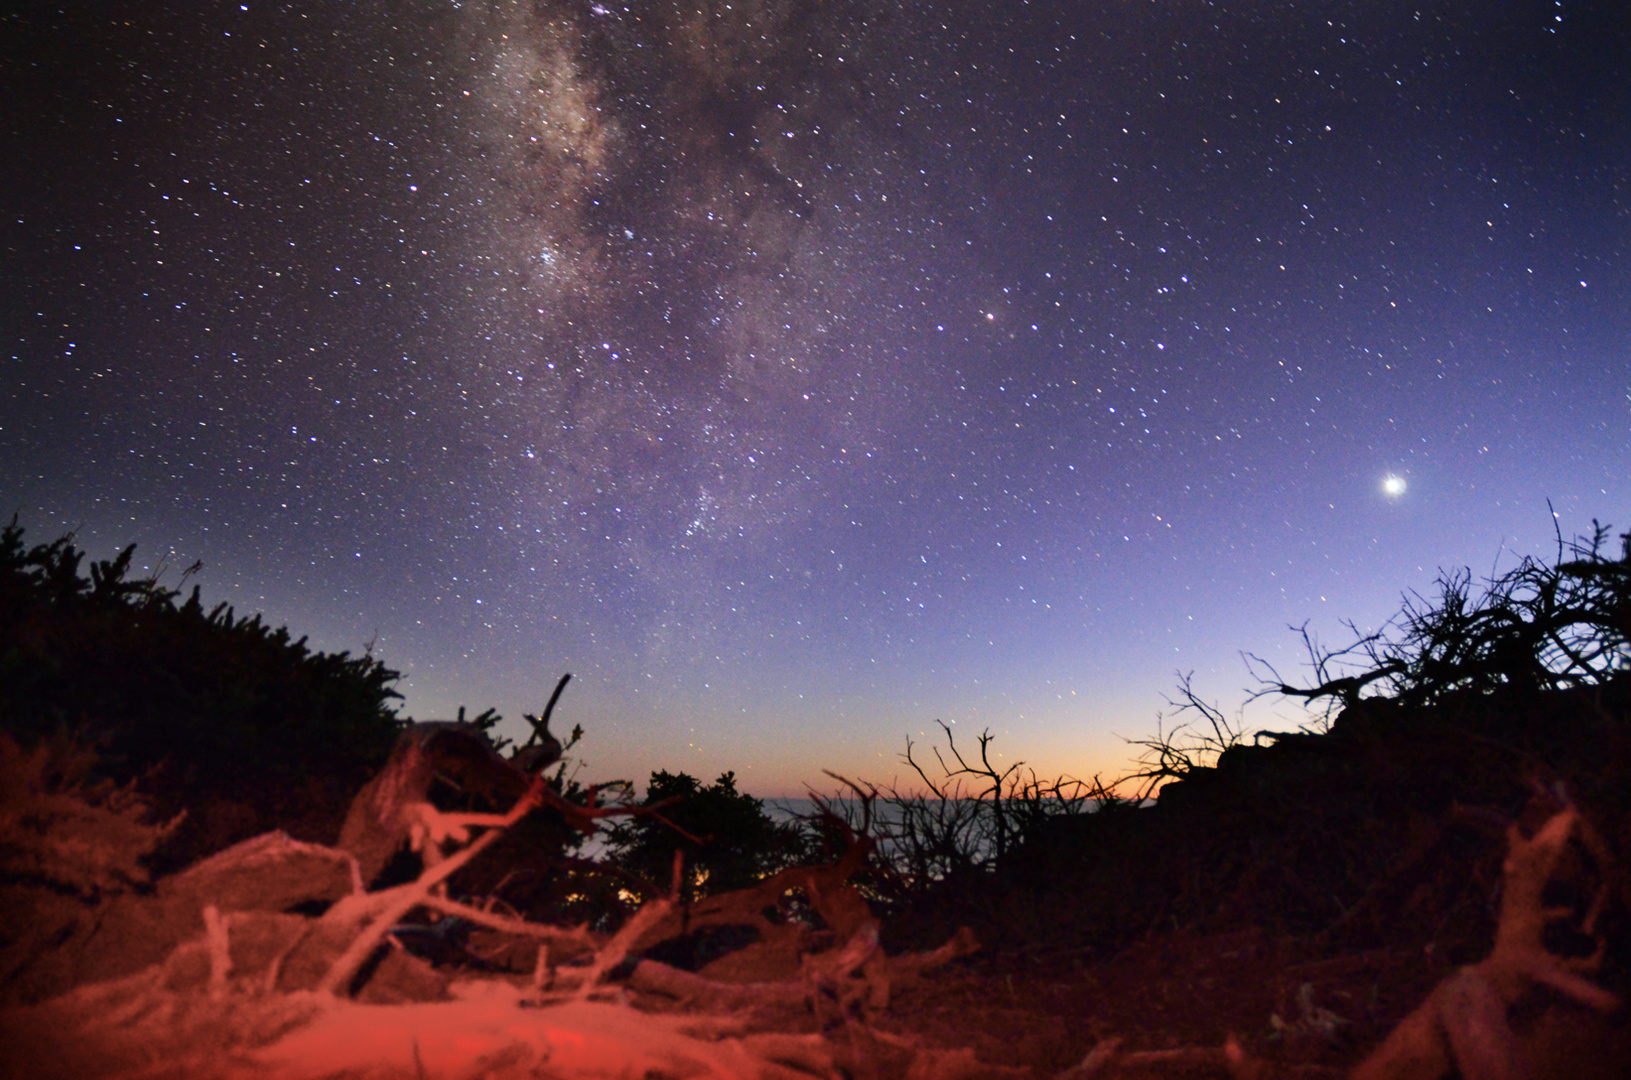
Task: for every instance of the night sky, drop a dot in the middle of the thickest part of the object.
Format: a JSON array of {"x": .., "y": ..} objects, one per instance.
[{"x": 798, "y": 372}]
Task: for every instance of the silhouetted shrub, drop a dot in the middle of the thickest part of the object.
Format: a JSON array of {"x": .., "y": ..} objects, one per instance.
[
  {"x": 225, "y": 716},
  {"x": 1534, "y": 628},
  {"x": 62, "y": 832},
  {"x": 1362, "y": 828},
  {"x": 725, "y": 838}
]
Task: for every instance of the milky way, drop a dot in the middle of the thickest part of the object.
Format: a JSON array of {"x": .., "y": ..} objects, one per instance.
[
  {"x": 689, "y": 213},
  {"x": 795, "y": 372}
]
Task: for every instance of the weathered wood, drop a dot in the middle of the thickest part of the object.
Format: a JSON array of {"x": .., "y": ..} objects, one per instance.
[{"x": 381, "y": 813}]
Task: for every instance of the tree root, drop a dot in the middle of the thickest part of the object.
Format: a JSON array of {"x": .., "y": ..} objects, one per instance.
[
  {"x": 1463, "y": 1023},
  {"x": 264, "y": 994}
]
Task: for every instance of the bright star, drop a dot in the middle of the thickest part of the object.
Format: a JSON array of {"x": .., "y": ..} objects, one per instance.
[{"x": 1393, "y": 486}]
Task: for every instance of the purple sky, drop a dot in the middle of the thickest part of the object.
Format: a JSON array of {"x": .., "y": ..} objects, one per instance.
[{"x": 796, "y": 373}]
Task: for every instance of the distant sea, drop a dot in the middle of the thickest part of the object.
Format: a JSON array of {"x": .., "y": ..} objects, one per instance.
[{"x": 789, "y": 810}]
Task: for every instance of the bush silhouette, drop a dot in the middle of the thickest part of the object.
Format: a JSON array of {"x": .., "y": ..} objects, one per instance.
[
  {"x": 227, "y": 717},
  {"x": 725, "y": 838},
  {"x": 1438, "y": 730},
  {"x": 1535, "y": 628}
]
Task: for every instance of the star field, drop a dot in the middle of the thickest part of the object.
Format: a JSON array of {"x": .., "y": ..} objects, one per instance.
[{"x": 797, "y": 373}]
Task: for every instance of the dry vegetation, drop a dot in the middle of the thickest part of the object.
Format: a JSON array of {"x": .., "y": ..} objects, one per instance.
[{"x": 1429, "y": 881}]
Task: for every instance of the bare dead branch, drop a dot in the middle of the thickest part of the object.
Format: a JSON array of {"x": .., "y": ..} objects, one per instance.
[
  {"x": 623, "y": 942},
  {"x": 1464, "y": 1021},
  {"x": 350, "y": 962}
]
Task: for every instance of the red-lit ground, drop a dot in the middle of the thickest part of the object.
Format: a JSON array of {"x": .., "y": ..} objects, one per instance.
[{"x": 1414, "y": 903}]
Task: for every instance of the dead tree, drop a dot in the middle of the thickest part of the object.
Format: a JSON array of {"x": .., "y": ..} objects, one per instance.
[{"x": 386, "y": 812}]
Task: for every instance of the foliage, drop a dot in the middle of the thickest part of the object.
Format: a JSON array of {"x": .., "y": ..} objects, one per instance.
[
  {"x": 724, "y": 837},
  {"x": 59, "y": 829},
  {"x": 195, "y": 704}
]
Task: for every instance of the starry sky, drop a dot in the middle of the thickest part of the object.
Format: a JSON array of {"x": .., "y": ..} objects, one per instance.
[{"x": 796, "y": 373}]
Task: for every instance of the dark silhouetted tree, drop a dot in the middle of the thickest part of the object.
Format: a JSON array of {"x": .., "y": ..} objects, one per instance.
[{"x": 726, "y": 838}]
